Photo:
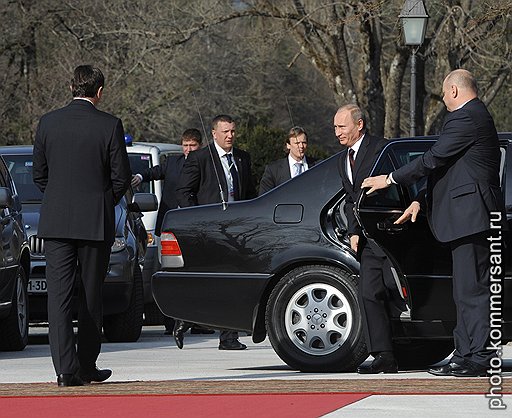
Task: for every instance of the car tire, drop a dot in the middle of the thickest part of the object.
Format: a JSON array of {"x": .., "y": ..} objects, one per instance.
[
  {"x": 314, "y": 322},
  {"x": 127, "y": 326},
  {"x": 419, "y": 354},
  {"x": 14, "y": 328}
]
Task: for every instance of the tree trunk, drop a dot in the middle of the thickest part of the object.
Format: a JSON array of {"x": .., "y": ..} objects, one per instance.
[{"x": 393, "y": 93}]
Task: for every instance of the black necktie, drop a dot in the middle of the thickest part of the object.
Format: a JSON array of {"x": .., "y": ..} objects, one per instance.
[
  {"x": 234, "y": 177},
  {"x": 351, "y": 160}
]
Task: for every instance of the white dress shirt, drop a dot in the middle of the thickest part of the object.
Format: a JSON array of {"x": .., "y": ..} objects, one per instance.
[
  {"x": 226, "y": 168},
  {"x": 292, "y": 161}
]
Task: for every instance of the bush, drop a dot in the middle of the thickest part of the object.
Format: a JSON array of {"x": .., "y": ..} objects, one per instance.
[{"x": 266, "y": 145}]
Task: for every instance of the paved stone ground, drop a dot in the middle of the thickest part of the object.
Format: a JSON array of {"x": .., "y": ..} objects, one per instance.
[{"x": 154, "y": 365}]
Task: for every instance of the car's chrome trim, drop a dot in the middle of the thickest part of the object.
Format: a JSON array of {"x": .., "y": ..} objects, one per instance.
[{"x": 212, "y": 275}]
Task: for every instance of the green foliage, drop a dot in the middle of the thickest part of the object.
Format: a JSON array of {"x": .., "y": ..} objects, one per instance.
[{"x": 266, "y": 144}]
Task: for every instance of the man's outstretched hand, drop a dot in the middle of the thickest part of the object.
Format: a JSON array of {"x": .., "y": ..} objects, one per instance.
[
  {"x": 410, "y": 213},
  {"x": 375, "y": 183}
]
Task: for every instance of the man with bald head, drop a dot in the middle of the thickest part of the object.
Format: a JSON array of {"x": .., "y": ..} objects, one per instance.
[{"x": 463, "y": 188}]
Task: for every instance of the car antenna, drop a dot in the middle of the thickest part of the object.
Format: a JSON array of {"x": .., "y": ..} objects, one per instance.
[
  {"x": 289, "y": 110},
  {"x": 223, "y": 201},
  {"x": 290, "y": 113}
]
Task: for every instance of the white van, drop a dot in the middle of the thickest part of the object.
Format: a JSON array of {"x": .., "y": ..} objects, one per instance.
[{"x": 144, "y": 155}]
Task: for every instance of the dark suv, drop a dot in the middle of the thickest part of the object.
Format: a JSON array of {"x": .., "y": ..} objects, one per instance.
[
  {"x": 282, "y": 265},
  {"x": 14, "y": 267},
  {"x": 123, "y": 302}
]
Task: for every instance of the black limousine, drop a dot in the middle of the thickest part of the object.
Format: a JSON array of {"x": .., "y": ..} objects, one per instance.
[{"x": 281, "y": 265}]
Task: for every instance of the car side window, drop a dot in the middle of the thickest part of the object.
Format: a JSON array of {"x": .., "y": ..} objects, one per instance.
[
  {"x": 396, "y": 155},
  {"x": 390, "y": 197},
  {"x": 4, "y": 176},
  {"x": 139, "y": 163},
  {"x": 4, "y": 182},
  {"x": 404, "y": 154}
]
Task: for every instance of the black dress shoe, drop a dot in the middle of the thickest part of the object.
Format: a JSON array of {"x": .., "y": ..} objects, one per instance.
[
  {"x": 470, "y": 370},
  {"x": 180, "y": 327},
  {"x": 231, "y": 345},
  {"x": 95, "y": 375},
  {"x": 445, "y": 370},
  {"x": 381, "y": 364},
  {"x": 69, "y": 380}
]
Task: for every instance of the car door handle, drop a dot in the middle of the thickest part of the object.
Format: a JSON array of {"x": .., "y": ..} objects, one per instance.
[{"x": 390, "y": 227}]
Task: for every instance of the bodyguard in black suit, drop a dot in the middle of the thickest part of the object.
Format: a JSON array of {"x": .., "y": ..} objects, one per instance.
[
  {"x": 277, "y": 172},
  {"x": 463, "y": 188},
  {"x": 170, "y": 171},
  {"x": 81, "y": 166},
  {"x": 203, "y": 172},
  {"x": 214, "y": 174},
  {"x": 354, "y": 165}
]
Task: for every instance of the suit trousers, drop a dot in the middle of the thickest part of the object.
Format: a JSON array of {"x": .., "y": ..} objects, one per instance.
[
  {"x": 86, "y": 262},
  {"x": 228, "y": 335},
  {"x": 373, "y": 300},
  {"x": 471, "y": 294}
]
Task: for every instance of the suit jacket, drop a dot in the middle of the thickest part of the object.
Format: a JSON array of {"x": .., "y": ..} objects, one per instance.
[
  {"x": 277, "y": 172},
  {"x": 463, "y": 184},
  {"x": 366, "y": 156},
  {"x": 198, "y": 184},
  {"x": 169, "y": 171},
  {"x": 81, "y": 166}
]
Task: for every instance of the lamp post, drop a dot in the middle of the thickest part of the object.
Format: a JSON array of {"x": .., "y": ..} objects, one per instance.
[{"x": 414, "y": 21}]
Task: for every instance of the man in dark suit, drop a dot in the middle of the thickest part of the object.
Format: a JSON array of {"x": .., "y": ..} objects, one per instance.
[
  {"x": 214, "y": 174},
  {"x": 81, "y": 166},
  {"x": 277, "y": 172},
  {"x": 355, "y": 163},
  {"x": 170, "y": 171},
  {"x": 463, "y": 188}
]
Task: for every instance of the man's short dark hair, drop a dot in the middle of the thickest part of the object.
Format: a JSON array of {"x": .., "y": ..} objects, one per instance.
[
  {"x": 192, "y": 134},
  {"x": 86, "y": 81},
  {"x": 221, "y": 118},
  {"x": 295, "y": 132}
]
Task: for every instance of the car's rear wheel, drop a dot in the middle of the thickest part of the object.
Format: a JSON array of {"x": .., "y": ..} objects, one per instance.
[
  {"x": 14, "y": 328},
  {"x": 127, "y": 326},
  {"x": 313, "y": 320},
  {"x": 419, "y": 354}
]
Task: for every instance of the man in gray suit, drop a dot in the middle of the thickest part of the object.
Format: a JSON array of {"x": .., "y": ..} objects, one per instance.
[
  {"x": 463, "y": 188},
  {"x": 81, "y": 166},
  {"x": 277, "y": 172}
]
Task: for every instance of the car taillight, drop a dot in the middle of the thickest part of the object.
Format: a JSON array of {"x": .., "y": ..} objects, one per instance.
[
  {"x": 170, "y": 251},
  {"x": 169, "y": 245}
]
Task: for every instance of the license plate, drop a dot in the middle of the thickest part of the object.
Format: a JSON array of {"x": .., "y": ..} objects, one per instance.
[{"x": 37, "y": 286}]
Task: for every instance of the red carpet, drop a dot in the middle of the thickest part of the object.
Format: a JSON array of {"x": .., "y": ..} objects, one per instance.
[{"x": 154, "y": 406}]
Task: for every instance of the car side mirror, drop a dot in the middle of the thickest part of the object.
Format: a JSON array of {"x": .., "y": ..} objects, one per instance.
[
  {"x": 143, "y": 202},
  {"x": 6, "y": 200}
]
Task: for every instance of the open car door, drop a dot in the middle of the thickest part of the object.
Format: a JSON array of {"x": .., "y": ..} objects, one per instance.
[{"x": 420, "y": 264}]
